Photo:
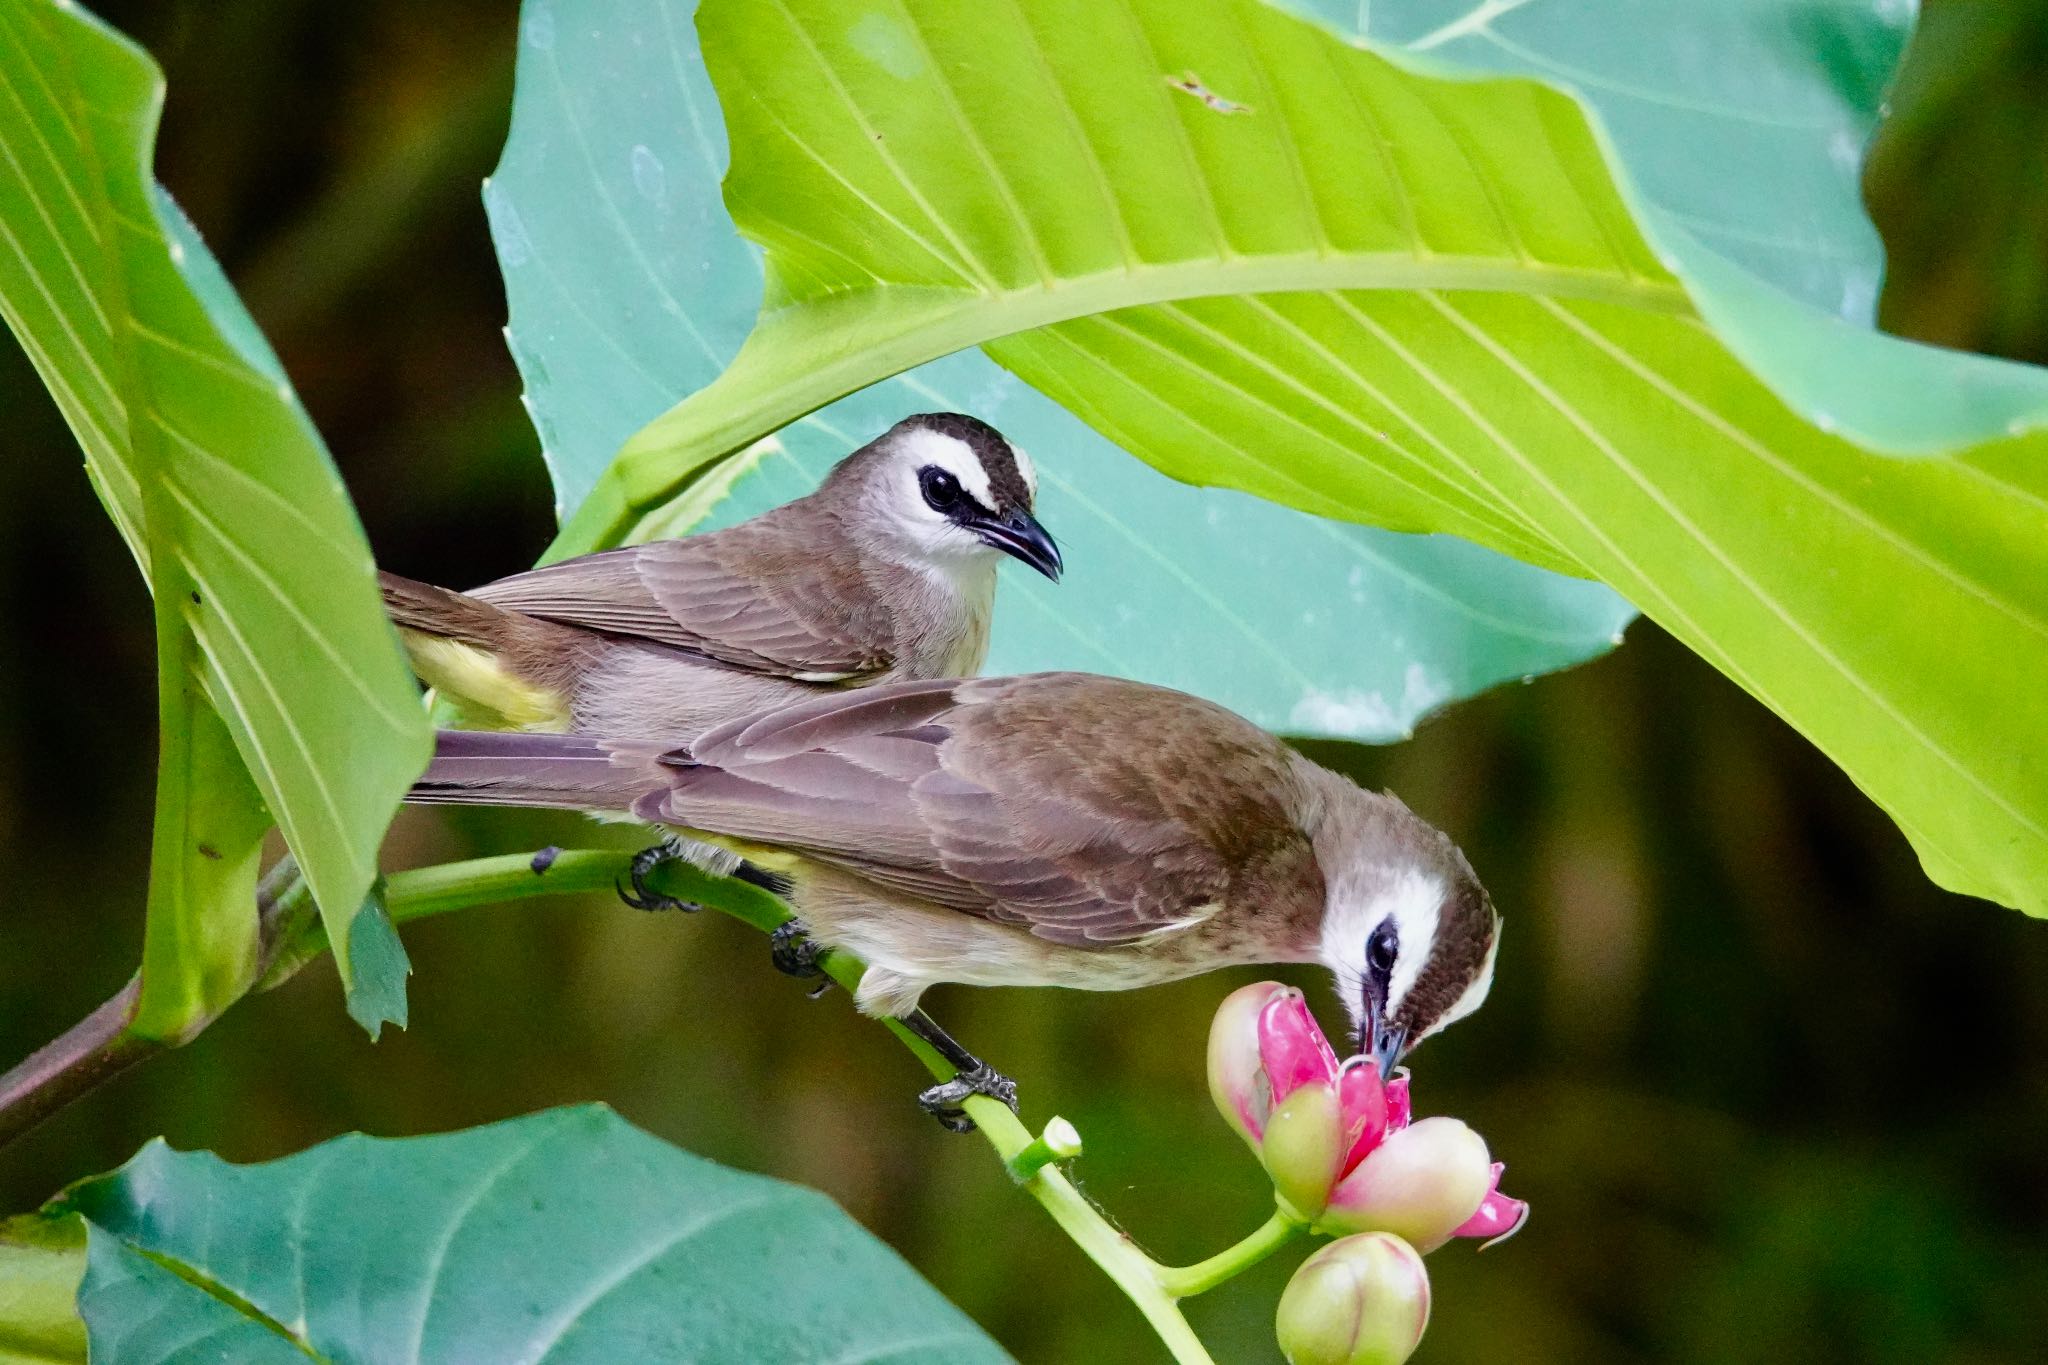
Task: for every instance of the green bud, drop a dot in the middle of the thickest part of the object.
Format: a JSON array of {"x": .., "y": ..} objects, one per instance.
[
  {"x": 1304, "y": 1148},
  {"x": 1361, "y": 1300}
]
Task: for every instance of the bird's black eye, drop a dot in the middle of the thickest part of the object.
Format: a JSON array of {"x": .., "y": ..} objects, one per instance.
[
  {"x": 941, "y": 489},
  {"x": 1381, "y": 947}
]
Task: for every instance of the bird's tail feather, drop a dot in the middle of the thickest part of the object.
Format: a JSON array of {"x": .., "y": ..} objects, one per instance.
[
  {"x": 441, "y": 611},
  {"x": 501, "y": 669},
  {"x": 567, "y": 772}
]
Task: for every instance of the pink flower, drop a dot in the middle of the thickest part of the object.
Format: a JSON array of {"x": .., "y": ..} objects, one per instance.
[
  {"x": 1276, "y": 1080},
  {"x": 1340, "y": 1147}
]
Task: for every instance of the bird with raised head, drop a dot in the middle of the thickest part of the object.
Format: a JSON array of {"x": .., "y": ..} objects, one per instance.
[
  {"x": 1054, "y": 829},
  {"x": 886, "y": 572}
]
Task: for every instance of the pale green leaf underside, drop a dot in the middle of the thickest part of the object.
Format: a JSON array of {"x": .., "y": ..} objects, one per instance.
[
  {"x": 41, "y": 1262},
  {"x": 219, "y": 484},
  {"x": 1392, "y": 298},
  {"x": 567, "y": 1236},
  {"x": 629, "y": 287}
]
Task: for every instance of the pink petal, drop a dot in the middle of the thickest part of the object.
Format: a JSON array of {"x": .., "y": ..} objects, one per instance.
[
  {"x": 1421, "y": 1184},
  {"x": 1399, "y": 1108},
  {"x": 1498, "y": 1218},
  {"x": 1293, "y": 1047},
  {"x": 1364, "y": 1108}
]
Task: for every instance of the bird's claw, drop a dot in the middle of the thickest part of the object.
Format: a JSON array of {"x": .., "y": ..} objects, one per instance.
[
  {"x": 943, "y": 1101},
  {"x": 794, "y": 953},
  {"x": 645, "y": 897}
]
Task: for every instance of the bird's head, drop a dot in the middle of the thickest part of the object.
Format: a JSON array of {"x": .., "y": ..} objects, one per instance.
[
  {"x": 1408, "y": 931},
  {"x": 947, "y": 489}
]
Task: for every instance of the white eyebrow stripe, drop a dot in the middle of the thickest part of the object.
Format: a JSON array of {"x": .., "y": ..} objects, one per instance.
[
  {"x": 1416, "y": 900},
  {"x": 953, "y": 455},
  {"x": 1026, "y": 470}
]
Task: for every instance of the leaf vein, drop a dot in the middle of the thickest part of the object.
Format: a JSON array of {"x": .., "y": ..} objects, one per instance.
[
  {"x": 1734, "y": 568},
  {"x": 966, "y": 261},
  {"x": 312, "y": 630},
  {"x": 1747, "y": 442}
]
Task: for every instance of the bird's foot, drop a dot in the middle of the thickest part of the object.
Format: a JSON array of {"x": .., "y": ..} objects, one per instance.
[
  {"x": 943, "y": 1102},
  {"x": 644, "y": 897},
  {"x": 795, "y": 953}
]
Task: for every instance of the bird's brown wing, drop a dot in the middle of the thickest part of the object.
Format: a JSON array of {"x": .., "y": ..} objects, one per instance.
[
  {"x": 763, "y": 597},
  {"x": 1088, "y": 810}
]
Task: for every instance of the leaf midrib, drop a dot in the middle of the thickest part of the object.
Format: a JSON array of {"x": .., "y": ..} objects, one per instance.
[
  {"x": 206, "y": 1284},
  {"x": 774, "y": 396}
]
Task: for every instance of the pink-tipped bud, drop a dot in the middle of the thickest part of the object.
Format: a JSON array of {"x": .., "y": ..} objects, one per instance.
[
  {"x": 1423, "y": 1183},
  {"x": 1237, "y": 1078},
  {"x": 1292, "y": 1046},
  {"x": 1304, "y": 1147},
  {"x": 1359, "y": 1301},
  {"x": 1499, "y": 1217}
]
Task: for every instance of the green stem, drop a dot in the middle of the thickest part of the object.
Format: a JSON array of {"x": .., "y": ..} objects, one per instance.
[
  {"x": 1058, "y": 1142},
  {"x": 1185, "y": 1281},
  {"x": 1137, "y": 1274},
  {"x": 425, "y": 891}
]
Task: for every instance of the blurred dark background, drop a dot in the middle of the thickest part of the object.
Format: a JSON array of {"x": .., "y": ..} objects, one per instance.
[{"x": 1774, "y": 1096}]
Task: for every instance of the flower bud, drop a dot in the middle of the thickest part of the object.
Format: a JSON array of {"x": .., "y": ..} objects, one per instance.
[
  {"x": 1237, "y": 1078},
  {"x": 1359, "y": 1301},
  {"x": 1304, "y": 1147},
  {"x": 1423, "y": 1183}
]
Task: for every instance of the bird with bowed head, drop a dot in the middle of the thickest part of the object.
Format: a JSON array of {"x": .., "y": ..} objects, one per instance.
[{"x": 1052, "y": 829}]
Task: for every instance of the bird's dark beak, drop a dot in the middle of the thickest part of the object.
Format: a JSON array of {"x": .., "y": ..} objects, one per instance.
[
  {"x": 1382, "y": 1040},
  {"x": 1018, "y": 533},
  {"x": 1387, "y": 1042}
]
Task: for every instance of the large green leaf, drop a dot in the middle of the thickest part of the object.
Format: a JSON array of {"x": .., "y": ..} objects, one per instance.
[
  {"x": 41, "y": 1262},
  {"x": 280, "y": 676},
  {"x": 630, "y": 287},
  {"x": 1259, "y": 257},
  {"x": 1740, "y": 127},
  {"x": 565, "y": 1236}
]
